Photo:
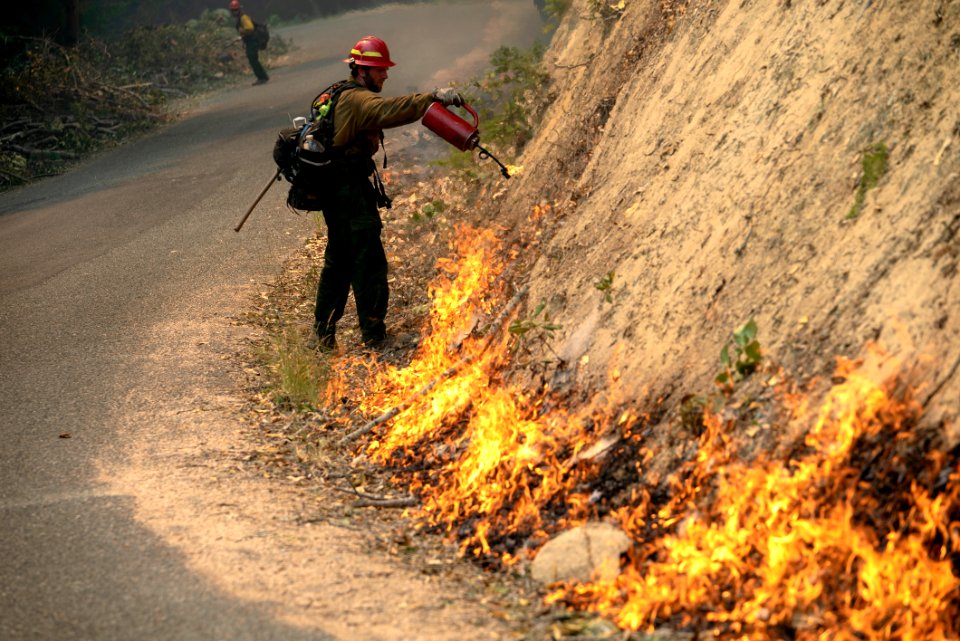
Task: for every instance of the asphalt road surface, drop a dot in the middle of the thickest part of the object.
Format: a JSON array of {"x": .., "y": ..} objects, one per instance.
[{"x": 98, "y": 268}]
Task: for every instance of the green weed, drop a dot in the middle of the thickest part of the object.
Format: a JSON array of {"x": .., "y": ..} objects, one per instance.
[
  {"x": 464, "y": 166},
  {"x": 605, "y": 284},
  {"x": 514, "y": 93},
  {"x": 525, "y": 329},
  {"x": 429, "y": 210},
  {"x": 874, "y": 166},
  {"x": 300, "y": 371},
  {"x": 554, "y": 11},
  {"x": 741, "y": 356}
]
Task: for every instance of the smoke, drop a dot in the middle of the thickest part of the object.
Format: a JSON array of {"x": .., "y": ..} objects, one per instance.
[{"x": 516, "y": 23}]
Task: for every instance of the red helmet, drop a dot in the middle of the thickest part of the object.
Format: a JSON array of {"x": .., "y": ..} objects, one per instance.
[
  {"x": 234, "y": 5},
  {"x": 370, "y": 51}
]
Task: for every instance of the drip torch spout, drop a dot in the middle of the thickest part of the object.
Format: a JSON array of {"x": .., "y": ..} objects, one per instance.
[
  {"x": 457, "y": 131},
  {"x": 484, "y": 154}
]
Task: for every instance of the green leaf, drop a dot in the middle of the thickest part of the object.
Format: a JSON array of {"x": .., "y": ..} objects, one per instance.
[
  {"x": 518, "y": 327},
  {"x": 745, "y": 333}
]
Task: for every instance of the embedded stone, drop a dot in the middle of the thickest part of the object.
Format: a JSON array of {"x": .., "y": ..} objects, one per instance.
[{"x": 583, "y": 554}]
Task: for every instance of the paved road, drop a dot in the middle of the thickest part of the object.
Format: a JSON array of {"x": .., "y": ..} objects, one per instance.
[{"x": 95, "y": 266}]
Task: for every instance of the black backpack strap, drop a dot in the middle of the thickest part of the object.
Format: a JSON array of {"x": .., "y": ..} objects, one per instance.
[
  {"x": 383, "y": 200},
  {"x": 382, "y": 146},
  {"x": 334, "y": 92}
]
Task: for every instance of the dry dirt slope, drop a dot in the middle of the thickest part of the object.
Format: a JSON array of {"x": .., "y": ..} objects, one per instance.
[{"x": 708, "y": 153}]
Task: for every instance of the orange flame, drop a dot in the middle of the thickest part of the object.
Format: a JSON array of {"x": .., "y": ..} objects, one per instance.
[
  {"x": 510, "y": 465},
  {"x": 460, "y": 298},
  {"x": 782, "y": 545},
  {"x": 806, "y": 547},
  {"x": 494, "y": 451}
]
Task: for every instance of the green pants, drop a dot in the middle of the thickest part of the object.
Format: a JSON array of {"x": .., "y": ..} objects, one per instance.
[{"x": 354, "y": 258}]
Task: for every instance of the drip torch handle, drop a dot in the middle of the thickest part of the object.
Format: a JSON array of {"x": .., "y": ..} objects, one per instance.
[{"x": 476, "y": 118}]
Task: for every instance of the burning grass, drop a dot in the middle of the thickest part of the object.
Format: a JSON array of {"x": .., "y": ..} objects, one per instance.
[
  {"x": 856, "y": 537},
  {"x": 852, "y": 533}
]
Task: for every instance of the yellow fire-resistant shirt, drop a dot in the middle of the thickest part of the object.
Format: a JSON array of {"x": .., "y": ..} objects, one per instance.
[{"x": 245, "y": 25}]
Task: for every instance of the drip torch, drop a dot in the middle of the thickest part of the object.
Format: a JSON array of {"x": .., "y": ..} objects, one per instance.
[{"x": 458, "y": 132}]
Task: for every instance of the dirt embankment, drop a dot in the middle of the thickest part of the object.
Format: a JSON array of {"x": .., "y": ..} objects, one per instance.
[{"x": 709, "y": 154}]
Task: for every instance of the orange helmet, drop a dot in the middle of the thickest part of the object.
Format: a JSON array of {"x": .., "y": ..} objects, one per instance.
[
  {"x": 370, "y": 51},
  {"x": 234, "y": 5}
]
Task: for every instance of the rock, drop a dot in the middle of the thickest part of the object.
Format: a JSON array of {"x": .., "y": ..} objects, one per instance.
[{"x": 582, "y": 554}]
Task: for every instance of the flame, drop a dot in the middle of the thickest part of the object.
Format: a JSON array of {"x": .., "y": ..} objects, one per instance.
[
  {"x": 512, "y": 464},
  {"x": 783, "y": 545},
  {"x": 493, "y": 449},
  {"x": 825, "y": 543},
  {"x": 514, "y": 170},
  {"x": 461, "y": 295}
]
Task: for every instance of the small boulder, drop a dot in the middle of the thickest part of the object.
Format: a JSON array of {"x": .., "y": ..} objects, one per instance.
[{"x": 583, "y": 554}]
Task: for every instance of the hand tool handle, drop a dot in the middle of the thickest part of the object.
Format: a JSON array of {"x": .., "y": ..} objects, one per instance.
[{"x": 274, "y": 178}]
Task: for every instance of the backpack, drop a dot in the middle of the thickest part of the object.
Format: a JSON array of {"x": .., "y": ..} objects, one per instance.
[
  {"x": 305, "y": 155},
  {"x": 261, "y": 34}
]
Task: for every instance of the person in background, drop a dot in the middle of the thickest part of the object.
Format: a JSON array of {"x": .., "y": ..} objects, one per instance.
[
  {"x": 354, "y": 256},
  {"x": 250, "y": 41}
]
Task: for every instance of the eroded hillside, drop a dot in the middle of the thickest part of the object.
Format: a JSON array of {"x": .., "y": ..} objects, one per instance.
[{"x": 708, "y": 154}]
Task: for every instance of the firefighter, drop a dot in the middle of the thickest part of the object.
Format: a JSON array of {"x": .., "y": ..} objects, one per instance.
[
  {"x": 251, "y": 41},
  {"x": 354, "y": 256}
]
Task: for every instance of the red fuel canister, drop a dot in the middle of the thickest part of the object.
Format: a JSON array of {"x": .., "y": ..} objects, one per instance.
[{"x": 451, "y": 127}]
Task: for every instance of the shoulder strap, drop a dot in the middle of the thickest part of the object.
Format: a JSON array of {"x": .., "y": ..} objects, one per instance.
[{"x": 328, "y": 96}]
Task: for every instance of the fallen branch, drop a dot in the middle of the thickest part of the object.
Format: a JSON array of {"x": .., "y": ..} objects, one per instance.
[
  {"x": 494, "y": 330},
  {"x": 43, "y": 153},
  {"x": 576, "y": 65},
  {"x": 12, "y": 177},
  {"x": 16, "y": 125},
  {"x": 406, "y": 501},
  {"x": 374, "y": 500}
]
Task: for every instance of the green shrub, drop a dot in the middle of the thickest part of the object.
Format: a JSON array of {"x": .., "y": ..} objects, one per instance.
[{"x": 58, "y": 103}]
